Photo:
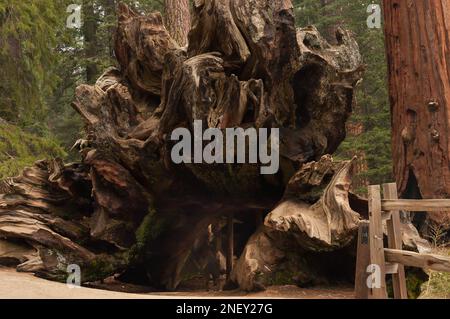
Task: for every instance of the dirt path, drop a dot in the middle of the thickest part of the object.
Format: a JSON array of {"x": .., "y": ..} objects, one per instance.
[{"x": 14, "y": 285}]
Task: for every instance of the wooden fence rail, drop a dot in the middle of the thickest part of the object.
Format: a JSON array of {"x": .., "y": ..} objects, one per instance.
[
  {"x": 411, "y": 205},
  {"x": 374, "y": 261}
]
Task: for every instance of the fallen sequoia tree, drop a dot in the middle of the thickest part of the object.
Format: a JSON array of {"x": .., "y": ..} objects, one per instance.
[{"x": 127, "y": 209}]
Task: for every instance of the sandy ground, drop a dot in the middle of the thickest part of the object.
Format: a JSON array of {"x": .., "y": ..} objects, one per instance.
[{"x": 14, "y": 285}]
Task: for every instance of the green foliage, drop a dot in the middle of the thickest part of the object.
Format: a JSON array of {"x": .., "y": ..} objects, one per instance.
[
  {"x": 372, "y": 109},
  {"x": 437, "y": 287},
  {"x": 19, "y": 149},
  {"x": 27, "y": 39},
  {"x": 376, "y": 144},
  {"x": 36, "y": 59},
  {"x": 42, "y": 62}
]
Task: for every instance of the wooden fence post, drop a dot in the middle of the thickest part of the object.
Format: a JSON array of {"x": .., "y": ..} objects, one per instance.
[
  {"x": 362, "y": 261},
  {"x": 376, "y": 243},
  {"x": 374, "y": 285},
  {"x": 395, "y": 242}
]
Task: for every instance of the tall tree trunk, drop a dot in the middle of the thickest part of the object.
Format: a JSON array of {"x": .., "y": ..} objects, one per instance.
[
  {"x": 110, "y": 12},
  {"x": 178, "y": 20},
  {"x": 90, "y": 39},
  {"x": 418, "y": 51}
]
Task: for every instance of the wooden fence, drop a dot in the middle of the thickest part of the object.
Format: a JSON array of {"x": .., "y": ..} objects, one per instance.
[{"x": 373, "y": 259}]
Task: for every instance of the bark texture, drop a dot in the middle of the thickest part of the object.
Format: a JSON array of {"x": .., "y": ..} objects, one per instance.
[
  {"x": 178, "y": 19},
  {"x": 417, "y": 41}
]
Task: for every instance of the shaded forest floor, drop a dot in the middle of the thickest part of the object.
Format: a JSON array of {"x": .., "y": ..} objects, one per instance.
[{"x": 16, "y": 285}]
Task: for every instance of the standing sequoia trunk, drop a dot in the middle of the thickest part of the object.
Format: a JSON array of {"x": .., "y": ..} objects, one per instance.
[
  {"x": 178, "y": 20},
  {"x": 418, "y": 49}
]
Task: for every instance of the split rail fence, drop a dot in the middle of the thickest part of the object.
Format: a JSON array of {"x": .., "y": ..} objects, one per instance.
[{"x": 373, "y": 259}]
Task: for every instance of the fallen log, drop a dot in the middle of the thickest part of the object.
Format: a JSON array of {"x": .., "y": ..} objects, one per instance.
[{"x": 128, "y": 209}]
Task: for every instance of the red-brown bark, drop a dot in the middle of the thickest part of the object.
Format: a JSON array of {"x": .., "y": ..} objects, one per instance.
[{"x": 418, "y": 50}]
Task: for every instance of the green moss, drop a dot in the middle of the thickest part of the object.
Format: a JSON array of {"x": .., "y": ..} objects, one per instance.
[
  {"x": 281, "y": 278},
  {"x": 294, "y": 270},
  {"x": 101, "y": 268},
  {"x": 150, "y": 228},
  {"x": 19, "y": 149}
]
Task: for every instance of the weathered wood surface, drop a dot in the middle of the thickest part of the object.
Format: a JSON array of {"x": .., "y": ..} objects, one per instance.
[
  {"x": 417, "y": 42},
  {"x": 362, "y": 261},
  {"x": 412, "y": 205},
  {"x": 395, "y": 242},
  {"x": 376, "y": 241},
  {"x": 329, "y": 222},
  {"x": 412, "y": 259},
  {"x": 319, "y": 222},
  {"x": 391, "y": 269}
]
